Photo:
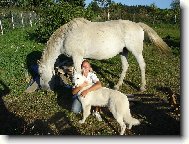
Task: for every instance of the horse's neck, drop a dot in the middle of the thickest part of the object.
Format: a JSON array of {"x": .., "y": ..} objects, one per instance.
[
  {"x": 51, "y": 54},
  {"x": 54, "y": 47}
]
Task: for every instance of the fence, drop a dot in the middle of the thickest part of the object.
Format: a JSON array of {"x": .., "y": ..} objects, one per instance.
[{"x": 14, "y": 20}]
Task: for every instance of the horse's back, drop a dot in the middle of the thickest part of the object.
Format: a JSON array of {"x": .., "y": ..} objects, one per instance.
[{"x": 101, "y": 40}]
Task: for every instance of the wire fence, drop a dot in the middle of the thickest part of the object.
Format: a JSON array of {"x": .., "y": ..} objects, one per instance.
[{"x": 13, "y": 20}]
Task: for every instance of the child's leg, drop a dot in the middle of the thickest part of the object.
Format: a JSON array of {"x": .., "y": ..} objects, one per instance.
[
  {"x": 97, "y": 109},
  {"x": 76, "y": 105},
  {"x": 97, "y": 113}
]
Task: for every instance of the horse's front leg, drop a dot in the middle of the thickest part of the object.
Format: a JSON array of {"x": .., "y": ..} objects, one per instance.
[
  {"x": 77, "y": 61},
  {"x": 125, "y": 66}
]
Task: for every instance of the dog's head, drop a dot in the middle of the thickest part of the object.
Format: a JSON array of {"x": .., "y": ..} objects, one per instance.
[{"x": 78, "y": 79}]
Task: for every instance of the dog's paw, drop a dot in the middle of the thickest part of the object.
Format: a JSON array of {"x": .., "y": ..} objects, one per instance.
[
  {"x": 130, "y": 126},
  {"x": 81, "y": 121}
]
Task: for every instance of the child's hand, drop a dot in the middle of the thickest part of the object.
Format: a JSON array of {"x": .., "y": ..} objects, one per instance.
[{"x": 84, "y": 93}]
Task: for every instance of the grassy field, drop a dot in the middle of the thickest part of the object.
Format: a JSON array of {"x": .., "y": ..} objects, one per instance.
[{"x": 48, "y": 113}]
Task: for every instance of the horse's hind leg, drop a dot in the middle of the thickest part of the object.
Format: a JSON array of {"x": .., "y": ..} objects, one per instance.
[
  {"x": 142, "y": 66},
  {"x": 125, "y": 66}
]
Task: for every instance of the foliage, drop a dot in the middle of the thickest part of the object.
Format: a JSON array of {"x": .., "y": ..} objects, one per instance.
[
  {"x": 175, "y": 4},
  {"x": 54, "y": 16},
  {"x": 58, "y": 14}
]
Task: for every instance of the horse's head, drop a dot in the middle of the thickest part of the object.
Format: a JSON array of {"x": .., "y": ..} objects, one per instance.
[{"x": 46, "y": 76}]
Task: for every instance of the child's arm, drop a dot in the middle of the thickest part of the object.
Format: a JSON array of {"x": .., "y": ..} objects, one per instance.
[
  {"x": 77, "y": 89},
  {"x": 94, "y": 87}
]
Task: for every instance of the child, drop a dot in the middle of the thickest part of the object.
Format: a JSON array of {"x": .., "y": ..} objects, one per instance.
[{"x": 90, "y": 78}]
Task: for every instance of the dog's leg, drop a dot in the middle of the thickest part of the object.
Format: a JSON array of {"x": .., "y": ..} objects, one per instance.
[
  {"x": 86, "y": 113},
  {"x": 130, "y": 126},
  {"x": 122, "y": 124}
]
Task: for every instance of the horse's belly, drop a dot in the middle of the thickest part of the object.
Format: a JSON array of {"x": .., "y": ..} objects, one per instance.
[{"x": 103, "y": 54}]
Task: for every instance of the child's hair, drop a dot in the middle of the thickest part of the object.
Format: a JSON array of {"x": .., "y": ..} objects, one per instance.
[{"x": 85, "y": 60}]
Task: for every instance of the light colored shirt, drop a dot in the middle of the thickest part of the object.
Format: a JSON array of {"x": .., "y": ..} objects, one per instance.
[{"x": 91, "y": 78}]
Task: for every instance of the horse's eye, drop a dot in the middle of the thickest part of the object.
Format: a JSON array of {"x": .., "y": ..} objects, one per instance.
[{"x": 77, "y": 78}]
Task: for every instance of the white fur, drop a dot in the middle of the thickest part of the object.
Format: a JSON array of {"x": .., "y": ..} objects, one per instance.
[
  {"x": 116, "y": 101},
  {"x": 81, "y": 39}
]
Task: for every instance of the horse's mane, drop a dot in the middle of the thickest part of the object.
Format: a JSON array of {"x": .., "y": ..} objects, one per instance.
[{"x": 59, "y": 35}]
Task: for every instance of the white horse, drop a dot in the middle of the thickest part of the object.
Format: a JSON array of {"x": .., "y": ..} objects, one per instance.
[{"x": 81, "y": 39}]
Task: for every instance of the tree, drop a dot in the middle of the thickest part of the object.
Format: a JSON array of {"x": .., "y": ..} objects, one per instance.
[
  {"x": 103, "y": 3},
  {"x": 76, "y": 2},
  {"x": 94, "y": 6},
  {"x": 175, "y": 5},
  {"x": 154, "y": 9}
]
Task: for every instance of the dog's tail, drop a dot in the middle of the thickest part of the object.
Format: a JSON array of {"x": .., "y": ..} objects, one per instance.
[
  {"x": 130, "y": 120},
  {"x": 135, "y": 121}
]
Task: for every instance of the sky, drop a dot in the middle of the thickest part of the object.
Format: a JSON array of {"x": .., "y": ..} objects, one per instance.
[{"x": 162, "y": 4}]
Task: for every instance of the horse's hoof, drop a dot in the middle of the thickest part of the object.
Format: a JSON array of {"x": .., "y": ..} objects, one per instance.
[
  {"x": 116, "y": 87},
  {"x": 81, "y": 121},
  {"x": 142, "y": 89}
]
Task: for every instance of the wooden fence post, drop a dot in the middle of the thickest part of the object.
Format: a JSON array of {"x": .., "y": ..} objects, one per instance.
[
  {"x": 12, "y": 21},
  {"x": 17, "y": 20},
  {"x": 175, "y": 18},
  {"x": 1, "y": 26},
  {"x": 30, "y": 20},
  {"x": 22, "y": 20}
]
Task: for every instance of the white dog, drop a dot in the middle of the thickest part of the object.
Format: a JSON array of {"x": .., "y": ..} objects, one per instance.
[{"x": 116, "y": 101}]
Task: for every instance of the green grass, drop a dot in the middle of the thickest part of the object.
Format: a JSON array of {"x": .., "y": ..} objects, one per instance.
[
  {"x": 50, "y": 111},
  {"x": 15, "y": 47}
]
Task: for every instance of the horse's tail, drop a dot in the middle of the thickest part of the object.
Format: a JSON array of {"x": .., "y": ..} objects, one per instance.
[{"x": 155, "y": 38}]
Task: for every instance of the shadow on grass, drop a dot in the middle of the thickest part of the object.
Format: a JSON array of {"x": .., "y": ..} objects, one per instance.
[
  {"x": 58, "y": 124},
  {"x": 173, "y": 43},
  {"x": 9, "y": 123},
  {"x": 64, "y": 97},
  {"x": 63, "y": 124},
  {"x": 156, "y": 120},
  {"x": 103, "y": 72},
  {"x": 31, "y": 62}
]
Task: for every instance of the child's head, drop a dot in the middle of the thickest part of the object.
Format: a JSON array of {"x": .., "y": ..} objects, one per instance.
[{"x": 85, "y": 66}]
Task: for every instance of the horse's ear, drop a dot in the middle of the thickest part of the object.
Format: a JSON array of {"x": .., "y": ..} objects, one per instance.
[
  {"x": 53, "y": 72},
  {"x": 74, "y": 71},
  {"x": 39, "y": 62}
]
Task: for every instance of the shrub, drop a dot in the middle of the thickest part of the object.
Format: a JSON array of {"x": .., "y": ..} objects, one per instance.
[{"x": 58, "y": 14}]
